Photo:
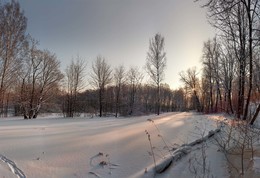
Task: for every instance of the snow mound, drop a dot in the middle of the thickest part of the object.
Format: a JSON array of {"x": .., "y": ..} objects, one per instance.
[
  {"x": 163, "y": 165},
  {"x": 182, "y": 151}
]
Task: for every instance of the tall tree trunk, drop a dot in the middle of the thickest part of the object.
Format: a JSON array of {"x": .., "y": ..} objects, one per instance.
[
  {"x": 216, "y": 102},
  {"x": 250, "y": 62},
  {"x": 100, "y": 102},
  {"x": 158, "y": 99},
  {"x": 7, "y": 105},
  {"x": 117, "y": 99},
  {"x": 220, "y": 96},
  {"x": 230, "y": 101},
  {"x": 241, "y": 87},
  {"x": 242, "y": 61},
  {"x": 2, "y": 90},
  {"x": 1, "y": 101},
  {"x": 211, "y": 96}
]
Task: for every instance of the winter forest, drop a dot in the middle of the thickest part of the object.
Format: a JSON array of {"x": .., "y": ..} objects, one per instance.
[{"x": 32, "y": 81}]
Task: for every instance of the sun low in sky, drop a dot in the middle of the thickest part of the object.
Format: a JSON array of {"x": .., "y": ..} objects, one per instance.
[{"x": 120, "y": 31}]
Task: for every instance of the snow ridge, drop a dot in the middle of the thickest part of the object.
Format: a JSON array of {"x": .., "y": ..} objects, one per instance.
[
  {"x": 182, "y": 151},
  {"x": 13, "y": 167}
]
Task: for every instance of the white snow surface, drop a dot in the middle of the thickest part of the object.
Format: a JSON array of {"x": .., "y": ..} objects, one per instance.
[{"x": 101, "y": 147}]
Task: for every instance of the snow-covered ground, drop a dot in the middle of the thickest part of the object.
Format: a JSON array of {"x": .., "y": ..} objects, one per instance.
[
  {"x": 101, "y": 147},
  {"x": 5, "y": 172}
]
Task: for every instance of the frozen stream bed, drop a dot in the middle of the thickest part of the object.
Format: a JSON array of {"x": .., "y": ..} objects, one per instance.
[{"x": 84, "y": 147}]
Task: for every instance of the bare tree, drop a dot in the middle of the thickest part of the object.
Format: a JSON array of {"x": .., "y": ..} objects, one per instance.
[
  {"x": 227, "y": 75},
  {"x": 101, "y": 76},
  {"x": 119, "y": 77},
  {"x": 190, "y": 79},
  {"x": 209, "y": 54},
  {"x": 134, "y": 78},
  {"x": 156, "y": 63},
  {"x": 13, "y": 25},
  {"x": 41, "y": 74},
  {"x": 211, "y": 72},
  {"x": 75, "y": 83}
]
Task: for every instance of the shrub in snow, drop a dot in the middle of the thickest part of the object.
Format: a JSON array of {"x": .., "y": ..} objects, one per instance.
[{"x": 237, "y": 138}]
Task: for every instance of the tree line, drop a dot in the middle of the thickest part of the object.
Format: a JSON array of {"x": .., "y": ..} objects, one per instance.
[
  {"x": 119, "y": 91},
  {"x": 31, "y": 79}
]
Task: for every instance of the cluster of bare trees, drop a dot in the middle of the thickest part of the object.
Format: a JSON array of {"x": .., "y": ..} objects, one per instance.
[
  {"x": 74, "y": 84},
  {"x": 120, "y": 92},
  {"x": 28, "y": 76},
  {"x": 12, "y": 37},
  {"x": 230, "y": 76}
]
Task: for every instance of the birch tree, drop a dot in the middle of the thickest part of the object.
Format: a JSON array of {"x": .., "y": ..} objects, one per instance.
[
  {"x": 156, "y": 63},
  {"x": 13, "y": 25}
]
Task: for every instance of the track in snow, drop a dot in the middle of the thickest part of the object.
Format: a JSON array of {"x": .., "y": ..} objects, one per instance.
[{"x": 13, "y": 167}]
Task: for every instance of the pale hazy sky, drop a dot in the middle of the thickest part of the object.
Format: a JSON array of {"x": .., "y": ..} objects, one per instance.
[{"x": 120, "y": 31}]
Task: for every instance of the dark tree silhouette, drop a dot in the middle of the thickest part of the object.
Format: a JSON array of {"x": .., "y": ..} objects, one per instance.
[
  {"x": 156, "y": 63},
  {"x": 101, "y": 76},
  {"x": 74, "y": 83},
  {"x": 119, "y": 77},
  {"x": 13, "y": 25}
]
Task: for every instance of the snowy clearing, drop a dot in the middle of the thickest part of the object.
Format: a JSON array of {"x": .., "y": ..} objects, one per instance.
[{"x": 98, "y": 147}]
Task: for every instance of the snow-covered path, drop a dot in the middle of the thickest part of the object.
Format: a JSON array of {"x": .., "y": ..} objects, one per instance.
[{"x": 59, "y": 147}]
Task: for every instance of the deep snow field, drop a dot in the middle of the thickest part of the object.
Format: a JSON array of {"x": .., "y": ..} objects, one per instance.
[{"x": 106, "y": 147}]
